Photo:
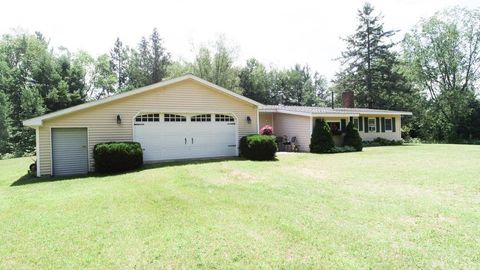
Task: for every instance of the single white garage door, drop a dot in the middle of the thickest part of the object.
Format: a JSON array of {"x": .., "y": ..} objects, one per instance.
[
  {"x": 167, "y": 136},
  {"x": 69, "y": 151}
]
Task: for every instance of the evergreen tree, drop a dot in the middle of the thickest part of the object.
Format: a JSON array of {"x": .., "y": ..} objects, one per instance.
[
  {"x": 321, "y": 140},
  {"x": 160, "y": 58},
  {"x": 118, "y": 63},
  {"x": 352, "y": 138},
  {"x": 369, "y": 66}
]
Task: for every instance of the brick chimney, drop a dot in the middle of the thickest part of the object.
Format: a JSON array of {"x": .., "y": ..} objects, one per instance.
[{"x": 347, "y": 99}]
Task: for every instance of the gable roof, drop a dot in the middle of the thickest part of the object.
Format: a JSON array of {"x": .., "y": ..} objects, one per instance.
[
  {"x": 322, "y": 111},
  {"x": 38, "y": 121}
]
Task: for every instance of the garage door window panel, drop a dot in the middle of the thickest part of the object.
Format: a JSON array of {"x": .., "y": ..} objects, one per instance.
[
  {"x": 174, "y": 118},
  {"x": 201, "y": 118},
  {"x": 224, "y": 118}
]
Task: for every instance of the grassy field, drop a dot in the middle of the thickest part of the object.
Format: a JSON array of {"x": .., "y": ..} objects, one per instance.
[{"x": 412, "y": 206}]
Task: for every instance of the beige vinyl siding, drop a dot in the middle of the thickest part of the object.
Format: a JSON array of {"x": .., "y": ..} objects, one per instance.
[
  {"x": 186, "y": 96},
  {"x": 389, "y": 135},
  {"x": 293, "y": 125},
  {"x": 266, "y": 119}
]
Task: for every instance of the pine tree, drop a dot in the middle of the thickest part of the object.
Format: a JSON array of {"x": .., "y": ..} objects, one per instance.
[
  {"x": 160, "y": 58},
  {"x": 119, "y": 63},
  {"x": 369, "y": 65},
  {"x": 321, "y": 140}
]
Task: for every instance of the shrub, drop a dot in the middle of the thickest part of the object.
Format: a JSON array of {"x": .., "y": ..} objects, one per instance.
[
  {"x": 382, "y": 142},
  {"x": 266, "y": 130},
  {"x": 352, "y": 138},
  {"x": 258, "y": 147},
  {"x": 343, "y": 149},
  {"x": 321, "y": 140},
  {"x": 117, "y": 156}
]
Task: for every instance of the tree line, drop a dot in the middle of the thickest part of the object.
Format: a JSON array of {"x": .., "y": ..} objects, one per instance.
[{"x": 433, "y": 71}]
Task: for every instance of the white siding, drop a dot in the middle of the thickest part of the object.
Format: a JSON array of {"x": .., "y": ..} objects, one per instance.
[
  {"x": 266, "y": 119},
  {"x": 293, "y": 125},
  {"x": 186, "y": 96}
]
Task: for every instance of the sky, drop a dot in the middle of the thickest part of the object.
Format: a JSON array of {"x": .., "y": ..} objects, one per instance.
[{"x": 278, "y": 33}]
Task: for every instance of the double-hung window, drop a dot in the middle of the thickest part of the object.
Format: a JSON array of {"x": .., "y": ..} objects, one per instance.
[
  {"x": 388, "y": 124},
  {"x": 371, "y": 125}
]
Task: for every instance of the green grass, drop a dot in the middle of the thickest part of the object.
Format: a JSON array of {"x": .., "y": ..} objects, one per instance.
[{"x": 414, "y": 206}]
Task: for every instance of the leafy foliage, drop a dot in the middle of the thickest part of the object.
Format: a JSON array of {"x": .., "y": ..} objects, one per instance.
[
  {"x": 258, "y": 147},
  {"x": 117, "y": 156},
  {"x": 442, "y": 57},
  {"x": 352, "y": 138},
  {"x": 321, "y": 140}
]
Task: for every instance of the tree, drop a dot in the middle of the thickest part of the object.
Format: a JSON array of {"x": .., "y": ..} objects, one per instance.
[
  {"x": 216, "y": 65},
  {"x": 119, "y": 63},
  {"x": 4, "y": 124},
  {"x": 149, "y": 63},
  {"x": 160, "y": 57},
  {"x": 369, "y": 65},
  {"x": 321, "y": 140},
  {"x": 254, "y": 81},
  {"x": 352, "y": 138},
  {"x": 442, "y": 56},
  {"x": 298, "y": 86},
  {"x": 105, "y": 79}
]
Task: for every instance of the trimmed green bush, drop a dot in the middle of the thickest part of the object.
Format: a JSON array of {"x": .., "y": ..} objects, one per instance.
[
  {"x": 117, "y": 156},
  {"x": 343, "y": 149},
  {"x": 352, "y": 138},
  {"x": 321, "y": 140},
  {"x": 382, "y": 142},
  {"x": 258, "y": 147}
]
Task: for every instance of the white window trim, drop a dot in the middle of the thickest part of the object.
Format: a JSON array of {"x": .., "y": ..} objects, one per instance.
[
  {"x": 374, "y": 125},
  {"x": 391, "y": 124}
]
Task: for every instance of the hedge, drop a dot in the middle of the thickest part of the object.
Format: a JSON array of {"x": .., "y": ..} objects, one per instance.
[
  {"x": 117, "y": 156},
  {"x": 258, "y": 147}
]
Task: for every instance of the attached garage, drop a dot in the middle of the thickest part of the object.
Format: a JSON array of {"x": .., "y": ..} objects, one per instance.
[
  {"x": 182, "y": 118},
  {"x": 171, "y": 136}
]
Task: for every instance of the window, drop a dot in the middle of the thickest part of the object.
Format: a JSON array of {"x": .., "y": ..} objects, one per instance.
[
  {"x": 388, "y": 124},
  {"x": 334, "y": 127},
  {"x": 224, "y": 118},
  {"x": 174, "y": 118},
  {"x": 355, "y": 123},
  {"x": 201, "y": 118},
  {"x": 151, "y": 117},
  {"x": 371, "y": 124}
]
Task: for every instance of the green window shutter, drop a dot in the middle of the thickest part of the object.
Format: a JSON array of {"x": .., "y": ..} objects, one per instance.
[
  {"x": 360, "y": 123},
  {"x": 377, "y": 122},
  {"x": 393, "y": 124},
  {"x": 383, "y": 124},
  {"x": 343, "y": 124},
  {"x": 351, "y": 119},
  {"x": 366, "y": 124}
]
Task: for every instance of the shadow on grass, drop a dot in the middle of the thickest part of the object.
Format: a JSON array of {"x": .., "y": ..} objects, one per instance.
[{"x": 29, "y": 179}]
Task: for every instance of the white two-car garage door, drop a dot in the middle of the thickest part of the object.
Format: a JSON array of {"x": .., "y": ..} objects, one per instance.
[{"x": 169, "y": 136}]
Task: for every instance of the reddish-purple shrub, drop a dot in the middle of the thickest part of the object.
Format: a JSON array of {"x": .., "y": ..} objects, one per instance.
[{"x": 266, "y": 130}]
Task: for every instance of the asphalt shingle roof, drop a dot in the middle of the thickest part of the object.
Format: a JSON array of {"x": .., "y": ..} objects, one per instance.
[{"x": 328, "y": 110}]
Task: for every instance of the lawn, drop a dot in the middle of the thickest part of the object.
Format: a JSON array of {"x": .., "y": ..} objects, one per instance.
[{"x": 414, "y": 206}]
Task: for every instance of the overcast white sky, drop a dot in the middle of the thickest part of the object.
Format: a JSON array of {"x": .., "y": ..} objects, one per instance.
[{"x": 279, "y": 33}]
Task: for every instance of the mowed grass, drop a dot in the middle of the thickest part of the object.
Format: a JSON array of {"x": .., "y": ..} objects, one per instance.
[{"x": 414, "y": 206}]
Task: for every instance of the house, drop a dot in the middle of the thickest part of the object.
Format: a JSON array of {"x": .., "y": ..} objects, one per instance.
[
  {"x": 181, "y": 118},
  {"x": 298, "y": 121}
]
